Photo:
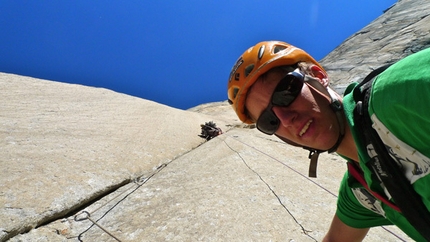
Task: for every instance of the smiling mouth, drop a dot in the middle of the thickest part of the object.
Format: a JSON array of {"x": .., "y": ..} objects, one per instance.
[{"x": 305, "y": 128}]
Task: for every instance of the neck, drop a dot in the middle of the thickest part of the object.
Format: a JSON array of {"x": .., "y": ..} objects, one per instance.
[{"x": 348, "y": 148}]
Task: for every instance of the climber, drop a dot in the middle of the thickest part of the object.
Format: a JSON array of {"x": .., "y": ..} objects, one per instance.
[
  {"x": 286, "y": 93},
  {"x": 209, "y": 130}
]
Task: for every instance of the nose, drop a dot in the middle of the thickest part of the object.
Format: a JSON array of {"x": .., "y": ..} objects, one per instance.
[{"x": 285, "y": 116}]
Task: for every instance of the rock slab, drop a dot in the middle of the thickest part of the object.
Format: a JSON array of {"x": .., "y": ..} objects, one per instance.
[{"x": 88, "y": 164}]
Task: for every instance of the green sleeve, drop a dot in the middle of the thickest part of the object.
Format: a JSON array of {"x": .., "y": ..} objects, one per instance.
[{"x": 352, "y": 213}]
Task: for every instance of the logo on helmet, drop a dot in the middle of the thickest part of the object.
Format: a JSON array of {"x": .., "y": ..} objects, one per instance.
[{"x": 234, "y": 69}]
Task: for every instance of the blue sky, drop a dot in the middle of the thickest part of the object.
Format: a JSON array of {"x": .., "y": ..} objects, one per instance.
[{"x": 177, "y": 53}]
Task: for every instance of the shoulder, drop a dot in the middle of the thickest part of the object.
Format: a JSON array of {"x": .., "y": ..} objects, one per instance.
[
  {"x": 407, "y": 71},
  {"x": 399, "y": 100}
]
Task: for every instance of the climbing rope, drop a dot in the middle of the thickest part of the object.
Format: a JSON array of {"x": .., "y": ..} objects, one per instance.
[{"x": 85, "y": 215}]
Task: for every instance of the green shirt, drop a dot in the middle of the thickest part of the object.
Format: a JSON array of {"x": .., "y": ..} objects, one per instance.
[{"x": 400, "y": 110}]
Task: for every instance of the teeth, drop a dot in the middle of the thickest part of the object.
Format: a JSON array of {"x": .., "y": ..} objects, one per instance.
[{"x": 305, "y": 128}]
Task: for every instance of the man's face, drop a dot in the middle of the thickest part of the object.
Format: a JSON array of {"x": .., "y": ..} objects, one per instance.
[{"x": 307, "y": 121}]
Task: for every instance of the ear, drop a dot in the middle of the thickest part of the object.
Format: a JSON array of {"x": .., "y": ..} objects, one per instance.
[{"x": 320, "y": 74}]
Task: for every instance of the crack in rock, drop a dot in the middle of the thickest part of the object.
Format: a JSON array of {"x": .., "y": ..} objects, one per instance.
[{"x": 305, "y": 231}]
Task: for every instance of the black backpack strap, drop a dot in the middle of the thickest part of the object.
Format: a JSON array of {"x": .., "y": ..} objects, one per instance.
[
  {"x": 388, "y": 170},
  {"x": 367, "y": 83}
]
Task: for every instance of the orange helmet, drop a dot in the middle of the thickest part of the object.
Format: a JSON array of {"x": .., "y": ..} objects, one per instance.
[{"x": 256, "y": 61}]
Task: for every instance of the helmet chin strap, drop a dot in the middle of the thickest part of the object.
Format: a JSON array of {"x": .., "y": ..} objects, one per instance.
[{"x": 337, "y": 108}]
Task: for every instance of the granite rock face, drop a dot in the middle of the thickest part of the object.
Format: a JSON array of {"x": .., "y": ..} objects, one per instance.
[
  {"x": 88, "y": 164},
  {"x": 402, "y": 30}
]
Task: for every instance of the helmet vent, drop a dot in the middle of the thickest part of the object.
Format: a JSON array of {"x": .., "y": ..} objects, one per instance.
[
  {"x": 278, "y": 48},
  {"x": 248, "y": 69},
  {"x": 235, "y": 91},
  {"x": 261, "y": 52}
]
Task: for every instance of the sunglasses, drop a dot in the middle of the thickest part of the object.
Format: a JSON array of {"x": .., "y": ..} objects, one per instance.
[{"x": 285, "y": 93}]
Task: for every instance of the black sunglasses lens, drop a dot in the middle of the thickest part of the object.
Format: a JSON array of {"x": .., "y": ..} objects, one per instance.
[
  {"x": 268, "y": 123},
  {"x": 287, "y": 91}
]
